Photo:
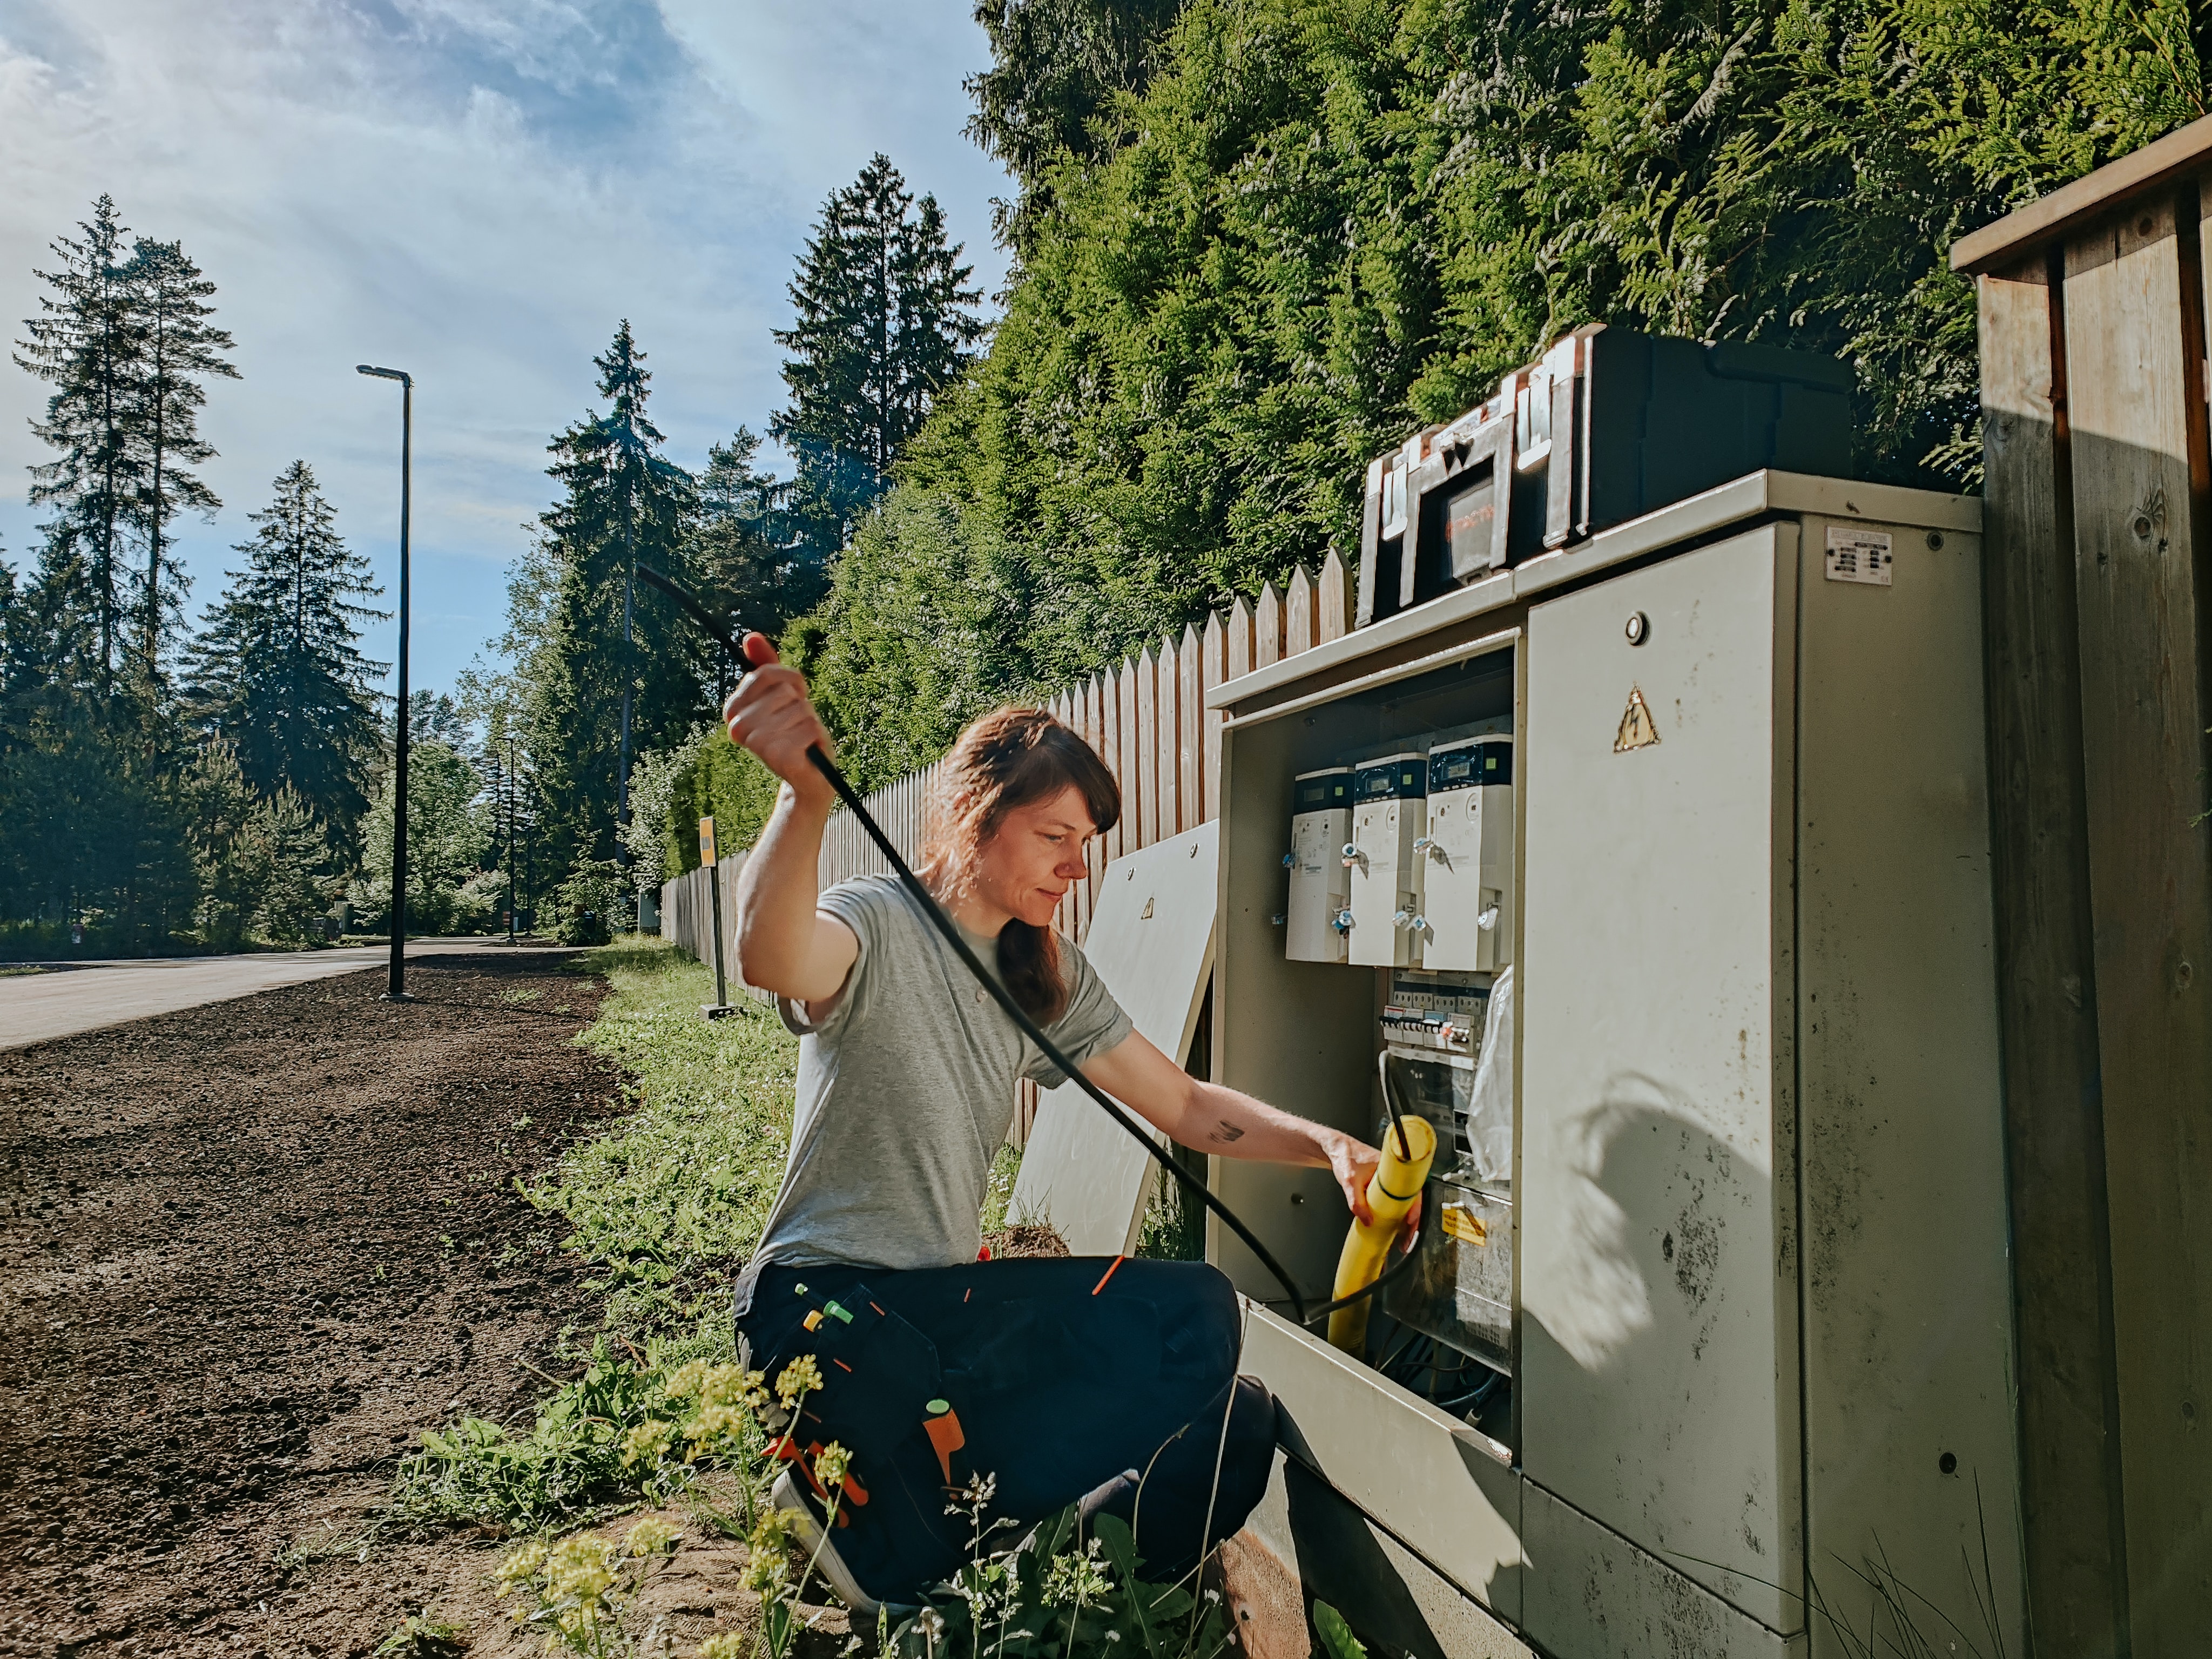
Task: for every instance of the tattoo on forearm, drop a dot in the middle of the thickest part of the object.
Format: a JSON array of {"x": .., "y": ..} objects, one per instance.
[{"x": 1226, "y": 1132}]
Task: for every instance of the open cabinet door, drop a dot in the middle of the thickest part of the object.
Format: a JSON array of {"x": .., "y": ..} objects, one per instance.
[{"x": 1152, "y": 941}]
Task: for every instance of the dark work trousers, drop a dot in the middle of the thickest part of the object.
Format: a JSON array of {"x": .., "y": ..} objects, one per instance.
[{"x": 1055, "y": 1377}]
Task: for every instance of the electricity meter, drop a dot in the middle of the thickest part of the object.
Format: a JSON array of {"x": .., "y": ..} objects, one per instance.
[
  {"x": 1321, "y": 824},
  {"x": 1388, "y": 815},
  {"x": 1466, "y": 855}
]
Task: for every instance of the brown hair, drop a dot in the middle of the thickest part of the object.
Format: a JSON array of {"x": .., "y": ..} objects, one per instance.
[{"x": 1013, "y": 757}]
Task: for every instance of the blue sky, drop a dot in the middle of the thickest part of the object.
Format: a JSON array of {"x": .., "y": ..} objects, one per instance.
[{"x": 474, "y": 190}]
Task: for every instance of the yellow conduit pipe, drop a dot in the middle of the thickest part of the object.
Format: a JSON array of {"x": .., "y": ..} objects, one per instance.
[{"x": 1392, "y": 1191}]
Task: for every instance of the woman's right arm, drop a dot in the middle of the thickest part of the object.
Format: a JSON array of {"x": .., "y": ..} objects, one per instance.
[{"x": 785, "y": 946}]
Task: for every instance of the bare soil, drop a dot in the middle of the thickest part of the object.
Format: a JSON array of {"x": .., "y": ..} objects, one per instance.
[{"x": 245, "y": 1251}]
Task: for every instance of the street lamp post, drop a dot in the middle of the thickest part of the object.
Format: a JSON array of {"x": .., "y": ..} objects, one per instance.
[
  {"x": 512, "y": 895},
  {"x": 396, "y": 990}
]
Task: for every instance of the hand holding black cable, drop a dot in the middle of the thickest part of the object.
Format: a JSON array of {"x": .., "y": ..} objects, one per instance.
[{"x": 1067, "y": 1068}]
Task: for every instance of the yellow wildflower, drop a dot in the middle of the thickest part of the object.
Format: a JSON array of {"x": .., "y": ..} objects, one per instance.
[
  {"x": 715, "y": 1423},
  {"x": 580, "y": 1566},
  {"x": 800, "y": 1378},
  {"x": 769, "y": 1563},
  {"x": 715, "y": 1385},
  {"x": 831, "y": 1464},
  {"x": 730, "y": 1644},
  {"x": 522, "y": 1566},
  {"x": 646, "y": 1442},
  {"x": 650, "y": 1536},
  {"x": 686, "y": 1380}
]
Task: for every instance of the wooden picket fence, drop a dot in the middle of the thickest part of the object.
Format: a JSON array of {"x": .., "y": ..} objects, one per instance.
[{"x": 1147, "y": 719}]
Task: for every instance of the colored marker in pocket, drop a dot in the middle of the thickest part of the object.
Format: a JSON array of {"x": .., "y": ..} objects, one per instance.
[{"x": 944, "y": 1434}]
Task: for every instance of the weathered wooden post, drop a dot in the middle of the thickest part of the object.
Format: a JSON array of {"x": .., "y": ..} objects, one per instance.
[
  {"x": 2099, "y": 593},
  {"x": 721, "y": 1007}
]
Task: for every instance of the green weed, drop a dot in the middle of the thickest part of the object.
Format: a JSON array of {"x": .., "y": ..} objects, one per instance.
[
  {"x": 665, "y": 1205},
  {"x": 575, "y": 1590},
  {"x": 1174, "y": 1228},
  {"x": 1059, "y": 1595},
  {"x": 419, "y": 1635},
  {"x": 331, "y": 1541},
  {"x": 999, "y": 1189},
  {"x": 669, "y": 1200}
]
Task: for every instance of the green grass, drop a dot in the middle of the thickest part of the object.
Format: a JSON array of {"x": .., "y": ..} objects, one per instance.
[
  {"x": 666, "y": 1204},
  {"x": 669, "y": 1201}
]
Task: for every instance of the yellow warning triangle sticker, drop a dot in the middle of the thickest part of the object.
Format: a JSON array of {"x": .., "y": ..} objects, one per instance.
[{"x": 1638, "y": 728}]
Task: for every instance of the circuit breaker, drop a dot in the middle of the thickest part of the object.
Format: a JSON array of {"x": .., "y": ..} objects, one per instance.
[
  {"x": 1389, "y": 799},
  {"x": 1468, "y": 857},
  {"x": 1321, "y": 824}
]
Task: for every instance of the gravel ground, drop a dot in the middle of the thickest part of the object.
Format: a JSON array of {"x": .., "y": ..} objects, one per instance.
[{"x": 245, "y": 1251}]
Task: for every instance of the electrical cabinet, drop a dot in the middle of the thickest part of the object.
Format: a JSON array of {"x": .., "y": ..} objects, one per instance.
[
  {"x": 1321, "y": 824},
  {"x": 1389, "y": 799},
  {"x": 1468, "y": 870},
  {"x": 1739, "y": 1270}
]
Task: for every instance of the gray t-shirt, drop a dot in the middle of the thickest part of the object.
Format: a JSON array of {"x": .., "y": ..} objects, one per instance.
[{"x": 906, "y": 1088}]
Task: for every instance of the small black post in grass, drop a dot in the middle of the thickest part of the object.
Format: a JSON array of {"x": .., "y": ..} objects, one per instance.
[{"x": 720, "y": 1008}]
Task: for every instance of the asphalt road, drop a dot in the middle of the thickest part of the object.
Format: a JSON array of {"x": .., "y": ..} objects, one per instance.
[{"x": 64, "y": 998}]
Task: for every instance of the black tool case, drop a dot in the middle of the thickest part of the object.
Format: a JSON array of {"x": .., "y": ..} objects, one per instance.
[{"x": 1608, "y": 426}]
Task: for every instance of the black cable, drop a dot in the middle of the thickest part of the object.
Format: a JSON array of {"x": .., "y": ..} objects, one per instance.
[
  {"x": 1390, "y": 1105},
  {"x": 1020, "y": 1015}
]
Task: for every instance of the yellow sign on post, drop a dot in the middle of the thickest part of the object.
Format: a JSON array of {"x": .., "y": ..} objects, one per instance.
[{"x": 706, "y": 840}]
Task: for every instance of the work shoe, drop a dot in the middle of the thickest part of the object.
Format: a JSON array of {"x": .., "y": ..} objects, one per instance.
[{"x": 813, "y": 1545}]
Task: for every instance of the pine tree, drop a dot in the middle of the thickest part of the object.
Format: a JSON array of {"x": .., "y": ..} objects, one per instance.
[
  {"x": 606, "y": 666},
  {"x": 751, "y": 563},
  {"x": 296, "y": 888},
  {"x": 88, "y": 344},
  {"x": 276, "y": 672},
  {"x": 229, "y": 847},
  {"x": 885, "y": 321},
  {"x": 437, "y": 718},
  {"x": 178, "y": 346},
  {"x": 493, "y": 703},
  {"x": 72, "y": 799},
  {"x": 126, "y": 343},
  {"x": 1056, "y": 66},
  {"x": 449, "y": 833}
]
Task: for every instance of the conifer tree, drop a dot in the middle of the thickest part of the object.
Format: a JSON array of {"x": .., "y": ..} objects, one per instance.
[
  {"x": 178, "y": 346},
  {"x": 1055, "y": 68},
  {"x": 605, "y": 665},
  {"x": 746, "y": 550},
  {"x": 229, "y": 849},
  {"x": 885, "y": 321},
  {"x": 296, "y": 885},
  {"x": 276, "y": 671},
  {"x": 125, "y": 343},
  {"x": 437, "y": 718},
  {"x": 88, "y": 344}
]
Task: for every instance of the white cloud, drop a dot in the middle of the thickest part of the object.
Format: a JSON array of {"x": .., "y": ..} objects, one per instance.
[{"x": 474, "y": 190}]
